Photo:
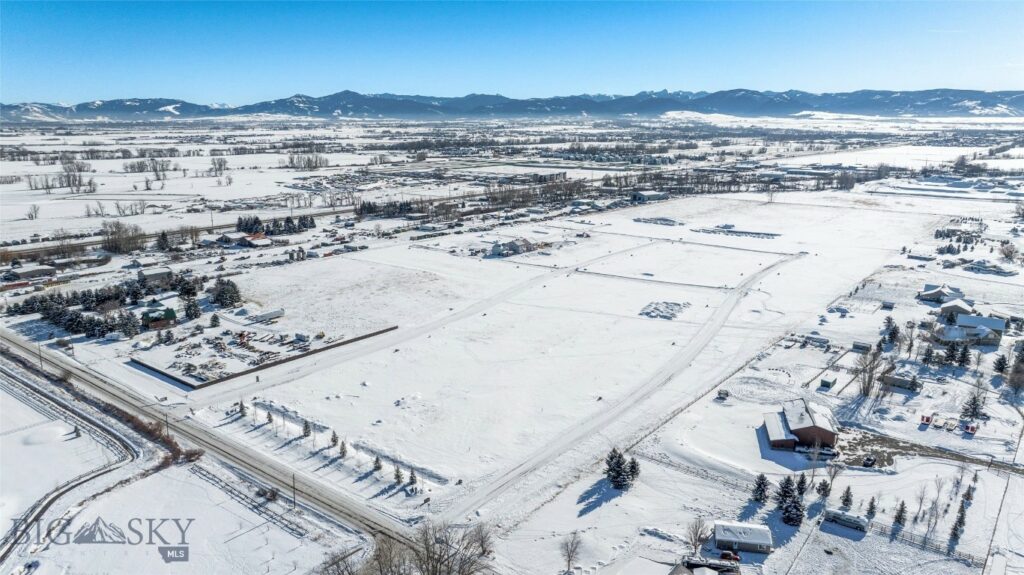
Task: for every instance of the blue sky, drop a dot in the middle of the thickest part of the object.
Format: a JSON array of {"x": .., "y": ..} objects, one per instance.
[{"x": 239, "y": 52}]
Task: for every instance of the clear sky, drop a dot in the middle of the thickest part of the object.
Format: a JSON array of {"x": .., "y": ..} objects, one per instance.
[{"x": 241, "y": 52}]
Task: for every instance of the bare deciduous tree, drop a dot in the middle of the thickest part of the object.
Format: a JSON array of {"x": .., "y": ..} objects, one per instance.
[
  {"x": 833, "y": 469},
  {"x": 33, "y": 212},
  {"x": 867, "y": 369},
  {"x": 698, "y": 532},
  {"x": 570, "y": 548}
]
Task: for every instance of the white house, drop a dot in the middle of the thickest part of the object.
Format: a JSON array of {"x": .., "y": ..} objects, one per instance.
[{"x": 736, "y": 536}]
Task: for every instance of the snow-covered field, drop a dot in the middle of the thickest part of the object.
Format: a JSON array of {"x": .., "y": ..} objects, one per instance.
[
  {"x": 38, "y": 454},
  {"x": 506, "y": 380}
]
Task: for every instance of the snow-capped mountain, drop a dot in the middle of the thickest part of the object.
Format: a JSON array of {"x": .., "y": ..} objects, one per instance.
[{"x": 350, "y": 104}]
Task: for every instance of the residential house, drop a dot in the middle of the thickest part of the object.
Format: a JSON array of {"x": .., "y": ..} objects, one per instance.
[
  {"x": 514, "y": 247},
  {"x": 736, "y": 536},
  {"x": 939, "y": 293}
]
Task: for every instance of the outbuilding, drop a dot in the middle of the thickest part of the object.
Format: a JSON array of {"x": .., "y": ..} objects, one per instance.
[
  {"x": 160, "y": 277},
  {"x": 30, "y": 271},
  {"x": 642, "y": 197}
]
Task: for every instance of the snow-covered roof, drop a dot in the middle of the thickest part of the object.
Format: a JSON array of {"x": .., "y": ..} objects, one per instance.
[
  {"x": 800, "y": 415},
  {"x": 156, "y": 272},
  {"x": 943, "y": 291},
  {"x": 776, "y": 427},
  {"x": 956, "y": 303},
  {"x": 743, "y": 532},
  {"x": 977, "y": 321}
]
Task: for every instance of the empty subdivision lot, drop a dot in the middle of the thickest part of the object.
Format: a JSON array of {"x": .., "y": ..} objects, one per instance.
[
  {"x": 683, "y": 263},
  {"x": 474, "y": 396},
  {"x": 492, "y": 383},
  {"x": 355, "y": 294}
]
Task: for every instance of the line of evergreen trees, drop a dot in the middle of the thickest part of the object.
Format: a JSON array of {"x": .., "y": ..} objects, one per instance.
[
  {"x": 275, "y": 227},
  {"x": 385, "y": 209}
]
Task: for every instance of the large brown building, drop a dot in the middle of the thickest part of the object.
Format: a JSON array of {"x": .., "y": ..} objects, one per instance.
[{"x": 801, "y": 423}]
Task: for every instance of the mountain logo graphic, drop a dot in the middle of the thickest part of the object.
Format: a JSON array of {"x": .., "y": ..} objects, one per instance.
[{"x": 99, "y": 531}]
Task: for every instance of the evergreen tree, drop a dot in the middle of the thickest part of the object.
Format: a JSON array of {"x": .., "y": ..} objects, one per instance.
[
  {"x": 894, "y": 334},
  {"x": 889, "y": 322},
  {"x": 192, "y": 310},
  {"x": 307, "y": 429},
  {"x": 872, "y": 508},
  {"x": 760, "y": 491},
  {"x": 958, "y": 525},
  {"x": 242, "y": 409},
  {"x": 270, "y": 418},
  {"x": 616, "y": 470},
  {"x": 786, "y": 491},
  {"x": 399, "y": 477},
  {"x": 801, "y": 484},
  {"x": 901, "y": 514},
  {"x": 972, "y": 408},
  {"x": 793, "y": 512},
  {"x": 847, "y": 498},
  {"x": 952, "y": 351},
  {"x": 215, "y": 320},
  {"x": 163, "y": 243},
  {"x": 929, "y": 355},
  {"x": 334, "y": 438},
  {"x": 412, "y": 476},
  {"x": 1001, "y": 364},
  {"x": 377, "y": 465},
  {"x": 823, "y": 489},
  {"x": 342, "y": 450},
  {"x": 633, "y": 470},
  {"x": 963, "y": 358}
]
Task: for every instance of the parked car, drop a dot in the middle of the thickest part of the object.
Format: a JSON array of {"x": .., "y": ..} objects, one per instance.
[
  {"x": 869, "y": 461},
  {"x": 730, "y": 556}
]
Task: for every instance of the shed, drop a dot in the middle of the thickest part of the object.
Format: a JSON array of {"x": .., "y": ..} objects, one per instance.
[
  {"x": 736, "y": 536},
  {"x": 828, "y": 381}
]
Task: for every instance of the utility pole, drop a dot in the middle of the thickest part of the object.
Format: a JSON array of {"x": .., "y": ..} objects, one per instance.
[
  {"x": 293, "y": 491},
  {"x": 39, "y": 346}
]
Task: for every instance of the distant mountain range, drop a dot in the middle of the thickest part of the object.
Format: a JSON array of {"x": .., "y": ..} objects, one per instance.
[{"x": 349, "y": 104}]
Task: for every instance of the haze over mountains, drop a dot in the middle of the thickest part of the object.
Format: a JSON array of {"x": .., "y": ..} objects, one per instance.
[{"x": 348, "y": 104}]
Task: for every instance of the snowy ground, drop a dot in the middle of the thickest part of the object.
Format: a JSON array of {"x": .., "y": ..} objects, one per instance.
[
  {"x": 39, "y": 453},
  {"x": 225, "y": 536}
]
